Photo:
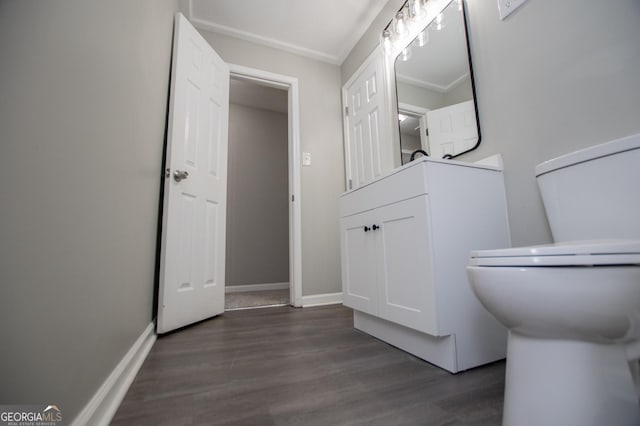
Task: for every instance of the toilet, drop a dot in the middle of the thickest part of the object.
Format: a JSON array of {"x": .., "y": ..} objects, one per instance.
[{"x": 573, "y": 307}]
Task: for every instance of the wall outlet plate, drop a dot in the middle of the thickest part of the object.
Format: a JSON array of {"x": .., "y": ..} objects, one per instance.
[{"x": 506, "y": 7}]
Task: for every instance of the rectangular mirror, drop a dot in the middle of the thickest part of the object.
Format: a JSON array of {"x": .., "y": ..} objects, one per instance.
[{"x": 435, "y": 91}]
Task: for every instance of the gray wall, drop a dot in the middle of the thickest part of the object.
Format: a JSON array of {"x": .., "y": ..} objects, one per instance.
[
  {"x": 257, "y": 197},
  {"x": 461, "y": 93},
  {"x": 321, "y": 135},
  {"x": 430, "y": 99},
  {"x": 82, "y": 120},
  {"x": 552, "y": 78},
  {"x": 419, "y": 96}
]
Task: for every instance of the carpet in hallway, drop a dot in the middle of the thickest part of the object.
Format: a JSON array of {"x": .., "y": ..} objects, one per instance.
[{"x": 252, "y": 299}]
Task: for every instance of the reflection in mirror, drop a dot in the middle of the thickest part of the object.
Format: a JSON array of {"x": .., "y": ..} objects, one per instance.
[{"x": 436, "y": 102}]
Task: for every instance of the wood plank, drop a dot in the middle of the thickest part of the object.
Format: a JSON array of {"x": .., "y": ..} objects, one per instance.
[{"x": 300, "y": 366}]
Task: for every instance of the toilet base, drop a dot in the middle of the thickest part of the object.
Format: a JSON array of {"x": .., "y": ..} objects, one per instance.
[{"x": 555, "y": 382}]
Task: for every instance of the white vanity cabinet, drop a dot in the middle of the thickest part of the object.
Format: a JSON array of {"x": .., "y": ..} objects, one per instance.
[{"x": 405, "y": 241}]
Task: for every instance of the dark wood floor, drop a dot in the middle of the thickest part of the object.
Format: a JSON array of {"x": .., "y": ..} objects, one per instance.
[{"x": 287, "y": 366}]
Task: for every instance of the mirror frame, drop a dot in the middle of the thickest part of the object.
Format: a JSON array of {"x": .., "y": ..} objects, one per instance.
[{"x": 471, "y": 76}]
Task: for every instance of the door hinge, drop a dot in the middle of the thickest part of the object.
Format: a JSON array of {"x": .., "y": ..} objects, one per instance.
[
  {"x": 346, "y": 111},
  {"x": 292, "y": 198},
  {"x": 350, "y": 184}
]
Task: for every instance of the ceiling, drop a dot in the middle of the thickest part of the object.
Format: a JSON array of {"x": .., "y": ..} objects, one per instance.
[{"x": 326, "y": 30}]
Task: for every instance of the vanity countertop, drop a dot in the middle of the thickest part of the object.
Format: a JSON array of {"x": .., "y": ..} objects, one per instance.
[{"x": 420, "y": 161}]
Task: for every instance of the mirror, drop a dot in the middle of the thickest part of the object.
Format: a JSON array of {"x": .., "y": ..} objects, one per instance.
[{"x": 434, "y": 84}]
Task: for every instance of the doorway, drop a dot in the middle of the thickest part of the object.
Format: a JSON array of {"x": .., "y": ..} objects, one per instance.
[
  {"x": 263, "y": 234},
  {"x": 414, "y": 134}
]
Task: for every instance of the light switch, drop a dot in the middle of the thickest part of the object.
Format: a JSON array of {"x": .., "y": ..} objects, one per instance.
[
  {"x": 306, "y": 158},
  {"x": 505, "y": 7}
]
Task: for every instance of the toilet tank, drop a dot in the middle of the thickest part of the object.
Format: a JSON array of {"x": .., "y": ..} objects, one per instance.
[{"x": 593, "y": 193}]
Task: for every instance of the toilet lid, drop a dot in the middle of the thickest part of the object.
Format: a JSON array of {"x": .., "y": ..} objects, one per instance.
[{"x": 572, "y": 253}]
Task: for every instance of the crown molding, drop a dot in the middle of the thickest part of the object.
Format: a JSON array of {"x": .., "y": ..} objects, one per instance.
[
  {"x": 265, "y": 41},
  {"x": 431, "y": 86}
]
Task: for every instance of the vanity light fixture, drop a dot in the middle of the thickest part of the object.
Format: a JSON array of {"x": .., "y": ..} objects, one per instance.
[{"x": 407, "y": 19}]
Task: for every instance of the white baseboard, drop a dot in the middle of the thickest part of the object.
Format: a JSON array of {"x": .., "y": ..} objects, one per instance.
[
  {"x": 321, "y": 299},
  {"x": 256, "y": 287},
  {"x": 105, "y": 402}
]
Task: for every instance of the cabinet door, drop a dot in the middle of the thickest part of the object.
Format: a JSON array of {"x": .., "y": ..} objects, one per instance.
[
  {"x": 359, "y": 263},
  {"x": 407, "y": 291}
]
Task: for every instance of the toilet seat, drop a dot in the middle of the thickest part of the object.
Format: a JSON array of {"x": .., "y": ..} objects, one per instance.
[{"x": 572, "y": 253}]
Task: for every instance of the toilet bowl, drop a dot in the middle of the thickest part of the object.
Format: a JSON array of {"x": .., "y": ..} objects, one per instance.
[
  {"x": 573, "y": 307},
  {"x": 570, "y": 310}
]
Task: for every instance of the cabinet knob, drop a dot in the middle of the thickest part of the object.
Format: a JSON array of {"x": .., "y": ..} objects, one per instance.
[
  {"x": 374, "y": 227},
  {"x": 366, "y": 228}
]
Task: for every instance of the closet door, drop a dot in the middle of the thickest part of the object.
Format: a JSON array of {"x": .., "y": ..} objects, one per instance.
[{"x": 367, "y": 133}]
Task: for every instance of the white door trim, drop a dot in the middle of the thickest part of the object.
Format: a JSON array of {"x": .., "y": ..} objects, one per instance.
[
  {"x": 295, "y": 216},
  {"x": 422, "y": 112}
]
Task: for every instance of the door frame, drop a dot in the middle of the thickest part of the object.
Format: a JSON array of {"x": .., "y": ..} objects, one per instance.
[
  {"x": 290, "y": 84},
  {"x": 422, "y": 113}
]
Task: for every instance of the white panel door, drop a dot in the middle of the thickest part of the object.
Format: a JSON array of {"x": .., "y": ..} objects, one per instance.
[
  {"x": 368, "y": 138},
  {"x": 405, "y": 269},
  {"x": 359, "y": 257},
  {"x": 193, "y": 244},
  {"x": 452, "y": 129}
]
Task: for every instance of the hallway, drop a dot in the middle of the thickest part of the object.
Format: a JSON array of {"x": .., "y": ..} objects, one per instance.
[{"x": 288, "y": 366}]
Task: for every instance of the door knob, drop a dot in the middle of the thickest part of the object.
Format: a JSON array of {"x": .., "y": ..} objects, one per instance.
[
  {"x": 366, "y": 228},
  {"x": 374, "y": 227},
  {"x": 180, "y": 175}
]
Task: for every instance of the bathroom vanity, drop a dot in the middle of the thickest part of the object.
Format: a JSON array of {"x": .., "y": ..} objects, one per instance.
[{"x": 405, "y": 241}]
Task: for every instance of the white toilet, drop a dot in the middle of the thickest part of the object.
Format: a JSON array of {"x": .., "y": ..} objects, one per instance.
[{"x": 573, "y": 308}]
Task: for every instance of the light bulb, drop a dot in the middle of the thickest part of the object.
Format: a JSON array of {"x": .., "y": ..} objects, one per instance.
[
  {"x": 459, "y": 4},
  {"x": 401, "y": 24},
  {"x": 386, "y": 40},
  {"x": 416, "y": 10},
  {"x": 439, "y": 22},
  {"x": 422, "y": 38},
  {"x": 406, "y": 54}
]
